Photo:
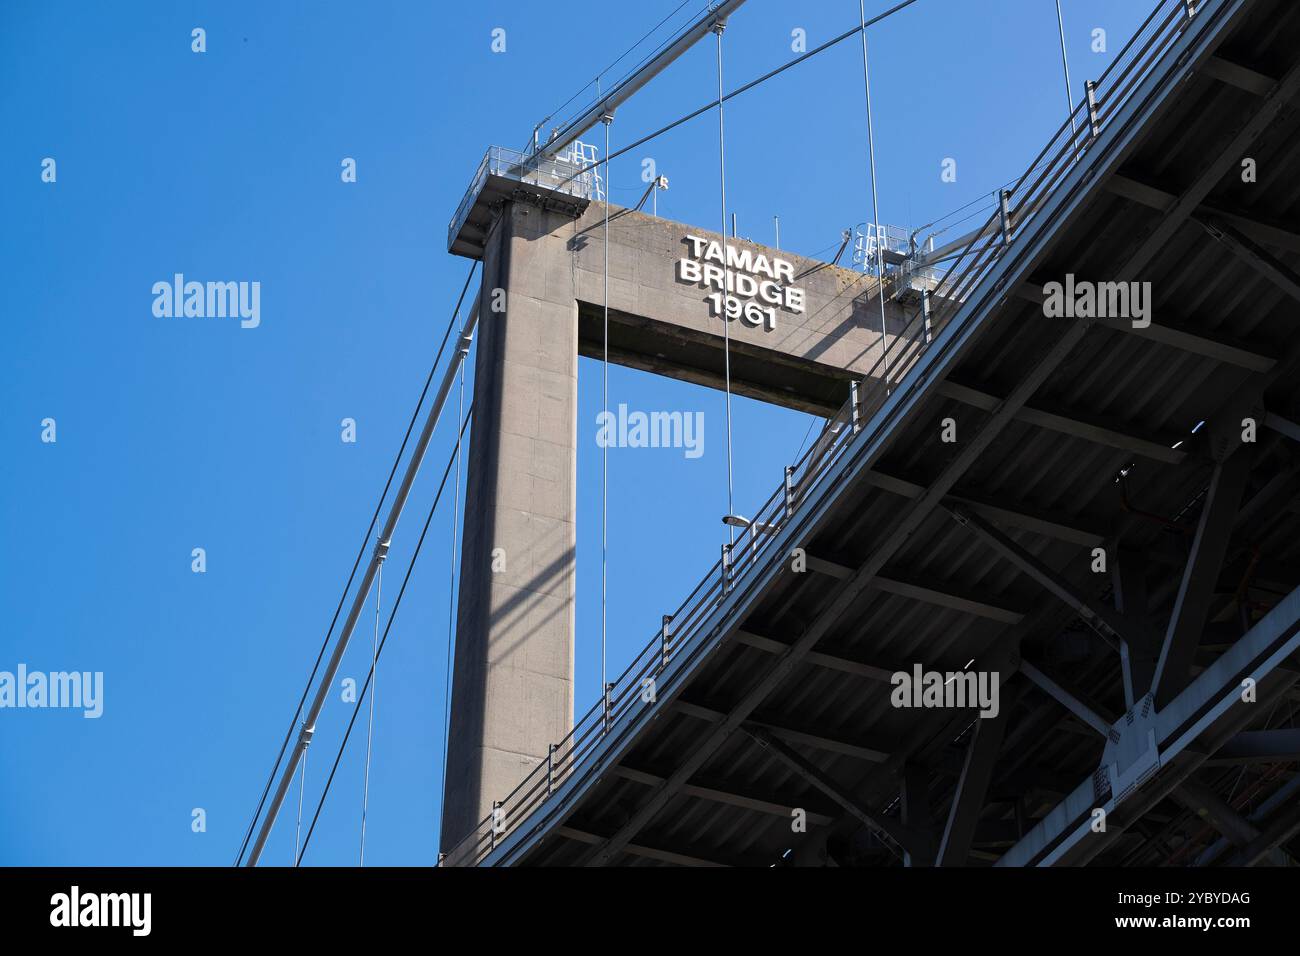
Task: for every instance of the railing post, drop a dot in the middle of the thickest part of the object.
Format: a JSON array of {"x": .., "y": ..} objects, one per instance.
[
  {"x": 1094, "y": 121},
  {"x": 855, "y": 410},
  {"x": 550, "y": 768},
  {"x": 608, "y": 688},
  {"x": 925, "y": 313},
  {"x": 726, "y": 571},
  {"x": 496, "y": 805},
  {"x": 1004, "y": 211},
  {"x": 789, "y": 490},
  {"x": 663, "y": 641}
]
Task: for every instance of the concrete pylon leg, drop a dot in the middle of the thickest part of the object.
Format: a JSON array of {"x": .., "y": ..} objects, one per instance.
[{"x": 513, "y": 672}]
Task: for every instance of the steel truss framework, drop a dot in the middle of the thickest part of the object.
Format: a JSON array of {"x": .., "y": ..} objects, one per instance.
[{"x": 1114, "y": 533}]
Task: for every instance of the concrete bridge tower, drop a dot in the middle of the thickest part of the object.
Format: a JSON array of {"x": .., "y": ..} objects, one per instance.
[{"x": 806, "y": 331}]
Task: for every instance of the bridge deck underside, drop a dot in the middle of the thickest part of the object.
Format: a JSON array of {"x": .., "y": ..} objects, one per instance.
[{"x": 1222, "y": 347}]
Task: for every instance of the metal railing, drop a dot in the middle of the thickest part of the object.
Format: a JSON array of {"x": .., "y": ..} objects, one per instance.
[
  {"x": 572, "y": 173},
  {"x": 871, "y": 240},
  {"x": 685, "y": 634}
]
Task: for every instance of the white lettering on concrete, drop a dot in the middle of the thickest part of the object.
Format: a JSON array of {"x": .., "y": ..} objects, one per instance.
[{"x": 742, "y": 276}]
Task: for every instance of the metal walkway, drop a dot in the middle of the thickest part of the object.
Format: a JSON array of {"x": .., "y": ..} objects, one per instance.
[{"x": 1121, "y": 692}]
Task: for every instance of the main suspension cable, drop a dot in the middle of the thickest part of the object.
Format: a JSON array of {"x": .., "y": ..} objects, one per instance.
[
  {"x": 834, "y": 41},
  {"x": 320, "y": 656},
  {"x": 397, "y": 603},
  {"x": 596, "y": 80}
]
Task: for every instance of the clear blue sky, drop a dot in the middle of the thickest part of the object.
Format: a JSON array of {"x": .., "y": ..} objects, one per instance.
[{"x": 174, "y": 434}]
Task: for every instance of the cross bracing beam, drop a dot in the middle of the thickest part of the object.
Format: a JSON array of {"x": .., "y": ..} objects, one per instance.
[
  {"x": 1109, "y": 623},
  {"x": 878, "y": 673},
  {"x": 882, "y": 824},
  {"x": 1139, "y": 651},
  {"x": 1240, "y": 75},
  {"x": 1283, "y": 235},
  {"x": 891, "y": 778},
  {"x": 1206, "y": 656},
  {"x": 777, "y": 728},
  {"x": 947, "y": 596},
  {"x": 1260, "y": 746},
  {"x": 829, "y": 661},
  {"x": 1281, "y": 828},
  {"x": 938, "y": 593},
  {"x": 1066, "y": 698},
  {"x": 916, "y": 814},
  {"x": 1283, "y": 796},
  {"x": 973, "y": 786},
  {"x": 1207, "y": 714},
  {"x": 1192, "y": 606},
  {"x": 1175, "y": 336},
  {"x": 1186, "y": 204},
  {"x": 1283, "y": 426},
  {"x": 1000, "y": 508},
  {"x": 1205, "y": 803},
  {"x": 1253, "y": 254},
  {"x": 733, "y": 794},
  {"x": 659, "y": 854},
  {"x": 1228, "y": 353},
  {"x": 1074, "y": 423}
]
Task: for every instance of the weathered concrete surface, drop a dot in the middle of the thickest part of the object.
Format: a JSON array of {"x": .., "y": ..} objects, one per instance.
[
  {"x": 662, "y": 323},
  {"x": 512, "y": 689}
]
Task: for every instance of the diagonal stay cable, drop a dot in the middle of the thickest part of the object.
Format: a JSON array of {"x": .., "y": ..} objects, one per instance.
[
  {"x": 270, "y": 779},
  {"x": 397, "y": 603},
  {"x": 834, "y": 41},
  {"x": 645, "y": 59}
]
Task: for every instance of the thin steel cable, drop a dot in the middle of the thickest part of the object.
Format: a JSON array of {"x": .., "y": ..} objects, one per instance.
[
  {"x": 397, "y": 603},
  {"x": 370, "y": 725},
  {"x": 875, "y": 208},
  {"x": 604, "y": 450},
  {"x": 1065, "y": 62},
  {"x": 302, "y": 785},
  {"x": 726, "y": 280},
  {"x": 815, "y": 420},
  {"x": 982, "y": 198},
  {"x": 745, "y": 88},
  {"x": 564, "y": 121},
  {"x": 270, "y": 779}
]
